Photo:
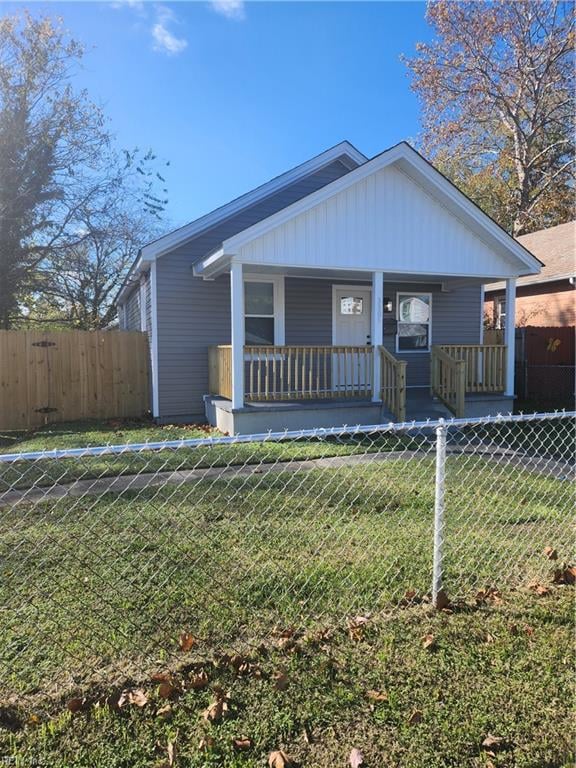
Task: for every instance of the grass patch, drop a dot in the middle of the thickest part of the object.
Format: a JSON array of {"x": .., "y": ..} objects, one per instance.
[
  {"x": 46, "y": 472},
  {"x": 502, "y": 670},
  {"x": 109, "y": 581}
]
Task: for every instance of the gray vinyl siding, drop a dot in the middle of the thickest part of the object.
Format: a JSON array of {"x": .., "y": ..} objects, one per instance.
[
  {"x": 194, "y": 314},
  {"x": 132, "y": 310},
  {"x": 308, "y": 320},
  {"x": 455, "y": 318}
]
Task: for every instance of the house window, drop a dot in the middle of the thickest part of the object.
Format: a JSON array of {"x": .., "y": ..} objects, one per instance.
[
  {"x": 500, "y": 302},
  {"x": 263, "y": 312},
  {"x": 351, "y": 305},
  {"x": 414, "y": 315}
]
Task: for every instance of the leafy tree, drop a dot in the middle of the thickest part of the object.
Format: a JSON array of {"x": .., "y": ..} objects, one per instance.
[
  {"x": 57, "y": 160},
  {"x": 497, "y": 89}
]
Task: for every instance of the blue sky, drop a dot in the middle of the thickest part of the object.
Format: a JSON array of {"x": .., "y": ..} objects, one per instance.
[{"x": 235, "y": 93}]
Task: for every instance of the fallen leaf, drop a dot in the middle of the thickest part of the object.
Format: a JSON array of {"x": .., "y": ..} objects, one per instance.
[
  {"x": 565, "y": 575},
  {"x": 205, "y": 743},
  {"x": 416, "y": 717},
  {"x": 356, "y": 758},
  {"x": 489, "y": 595},
  {"x": 442, "y": 601},
  {"x": 135, "y": 696},
  {"x": 171, "y": 750},
  {"x": 165, "y": 711},
  {"x": 429, "y": 642},
  {"x": 550, "y": 553},
  {"x": 376, "y": 695},
  {"x": 186, "y": 641},
  {"x": 279, "y": 759},
  {"x": 357, "y": 625},
  {"x": 217, "y": 710},
  {"x": 76, "y": 705},
  {"x": 242, "y": 743},
  {"x": 492, "y": 744},
  {"x": 199, "y": 680},
  {"x": 168, "y": 690},
  {"x": 540, "y": 589},
  {"x": 281, "y": 681}
]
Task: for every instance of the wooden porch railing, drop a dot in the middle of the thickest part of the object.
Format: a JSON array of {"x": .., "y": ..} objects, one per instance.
[
  {"x": 220, "y": 370},
  {"x": 460, "y": 369},
  {"x": 393, "y": 384},
  {"x": 448, "y": 379},
  {"x": 308, "y": 372},
  {"x": 294, "y": 373},
  {"x": 485, "y": 365}
]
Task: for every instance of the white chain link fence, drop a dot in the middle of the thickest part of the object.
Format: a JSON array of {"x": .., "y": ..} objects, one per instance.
[{"x": 119, "y": 561}]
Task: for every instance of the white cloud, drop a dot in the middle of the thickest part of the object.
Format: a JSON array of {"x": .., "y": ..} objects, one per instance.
[
  {"x": 232, "y": 9},
  {"x": 164, "y": 40},
  {"x": 135, "y": 5}
]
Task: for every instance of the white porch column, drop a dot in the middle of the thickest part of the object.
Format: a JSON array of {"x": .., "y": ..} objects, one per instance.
[
  {"x": 376, "y": 331},
  {"x": 237, "y": 323},
  {"x": 509, "y": 334}
]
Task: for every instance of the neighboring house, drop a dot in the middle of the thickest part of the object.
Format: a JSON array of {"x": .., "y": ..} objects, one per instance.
[
  {"x": 323, "y": 296},
  {"x": 546, "y": 299}
]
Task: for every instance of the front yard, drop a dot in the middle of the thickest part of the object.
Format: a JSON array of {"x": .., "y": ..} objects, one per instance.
[
  {"x": 502, "y": 670},
  {"x": 272, "y": 566}
]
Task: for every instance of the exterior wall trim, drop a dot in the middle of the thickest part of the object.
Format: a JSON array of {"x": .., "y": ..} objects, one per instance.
[{"x": 153, "y": 287}]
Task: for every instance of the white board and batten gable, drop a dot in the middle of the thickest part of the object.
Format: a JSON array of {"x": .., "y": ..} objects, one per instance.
[{"x": 394, "y": 213}]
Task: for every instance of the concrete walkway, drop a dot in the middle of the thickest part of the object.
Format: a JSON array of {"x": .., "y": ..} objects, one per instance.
[{"x": 556, "y": 468}]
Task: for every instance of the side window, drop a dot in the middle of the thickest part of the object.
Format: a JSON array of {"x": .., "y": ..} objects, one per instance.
[{"x": 259, "y": 313}]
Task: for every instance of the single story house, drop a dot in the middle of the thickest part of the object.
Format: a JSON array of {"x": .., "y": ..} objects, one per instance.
[
  {"x": 546, "y": 299},
  {"x": 348, "y": 290}
]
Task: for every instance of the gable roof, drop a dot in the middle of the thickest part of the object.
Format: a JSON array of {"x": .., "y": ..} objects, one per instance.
[
  {"x": 428, "y": 178},
  {"x": 342, "y": 151},
  {"x": 556, "y": 248}
]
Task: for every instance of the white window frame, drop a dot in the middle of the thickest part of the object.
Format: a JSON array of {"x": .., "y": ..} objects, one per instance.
[
  {"x": 399, "y": 351},
  {"x": 500, "y": 312},
  {"x": 278, "y": 299}
]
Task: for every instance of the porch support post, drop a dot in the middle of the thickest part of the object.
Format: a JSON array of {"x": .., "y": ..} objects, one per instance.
[
  {"x": 509, "y": 334},
  {"x": 377, "y": 333},
  {"x": 237, "y": 322}
]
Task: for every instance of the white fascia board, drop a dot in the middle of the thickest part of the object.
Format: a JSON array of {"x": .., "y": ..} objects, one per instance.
[
  {"x": 444, "y": 190},
  {"x": 130, "y": 282},
  {"x": 179, "y": 236},
  {"x": 211, "y": 266}
]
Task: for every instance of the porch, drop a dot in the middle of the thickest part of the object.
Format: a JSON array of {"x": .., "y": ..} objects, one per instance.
[
  {"x": 391, "y": 334},
  {"x": 288, "y": 387}
]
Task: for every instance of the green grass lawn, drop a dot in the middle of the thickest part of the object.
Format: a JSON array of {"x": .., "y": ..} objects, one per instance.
[
  {"x": 504, "y": 670},
  {"x": 46, "y": 472},
  {"x": 95, "y": 592}
]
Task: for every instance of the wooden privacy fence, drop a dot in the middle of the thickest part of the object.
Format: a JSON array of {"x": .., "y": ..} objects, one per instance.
[{"x": 67, "y": 375}]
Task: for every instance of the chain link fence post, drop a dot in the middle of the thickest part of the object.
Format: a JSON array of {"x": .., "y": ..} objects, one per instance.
[{"x": 437, "y": 572}]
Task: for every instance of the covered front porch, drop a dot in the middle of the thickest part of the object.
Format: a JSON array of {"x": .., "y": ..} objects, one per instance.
[{"x": 402, "y": 349}]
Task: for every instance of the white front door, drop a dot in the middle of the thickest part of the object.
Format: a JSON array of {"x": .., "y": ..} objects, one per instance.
[{"x": 352, "y": 323}]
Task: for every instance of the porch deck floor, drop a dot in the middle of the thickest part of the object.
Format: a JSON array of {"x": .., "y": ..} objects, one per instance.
[{"x": 419, "y": 406}]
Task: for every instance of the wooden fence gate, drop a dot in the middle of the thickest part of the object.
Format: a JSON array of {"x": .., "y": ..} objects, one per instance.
[{"x": 66, "y": 375}]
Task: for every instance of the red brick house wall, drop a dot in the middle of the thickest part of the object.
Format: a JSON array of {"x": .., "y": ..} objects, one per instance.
[{"x": 546, "y": 304}]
